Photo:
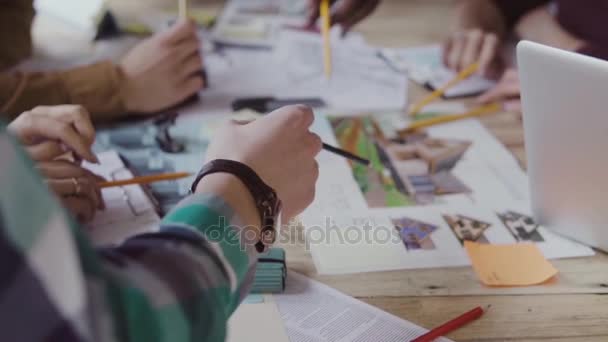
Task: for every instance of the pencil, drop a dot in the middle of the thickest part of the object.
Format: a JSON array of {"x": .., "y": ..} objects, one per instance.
[
  {"x": 326, "y": 25},
  {"x": 345, "y": 154},
  {"x": 145, "y": 179},
  {"x": 183, "y": 9},
  {"x": 451, "y": 326},
  {"x": 463, "y": 75},
  {"x": 479, "y": 111}
]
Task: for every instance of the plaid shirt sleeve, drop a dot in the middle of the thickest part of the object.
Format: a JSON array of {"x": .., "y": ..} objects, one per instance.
[{"x": 180, "y": 284}]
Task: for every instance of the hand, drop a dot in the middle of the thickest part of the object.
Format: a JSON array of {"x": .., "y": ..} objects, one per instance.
[
  {"x": 76, "y": 187},
  {"x": 163, "y": 70},
  {"x": 506, "y": 91},
  {"x": 346, "y": 13},
  {"x": 49, "y": 132},
  {"x": 464, "y": 48},
  {"x": 280, "y": 148}
]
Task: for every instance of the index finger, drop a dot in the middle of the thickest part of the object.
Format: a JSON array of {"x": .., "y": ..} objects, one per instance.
[
  {"x": 43, "y": 126},
  {"x": 503, "y": 90},
  {"x": 488, "y": 53},
  {"x": 296, "y": 116},
  {"x": 72, "y": 114}
]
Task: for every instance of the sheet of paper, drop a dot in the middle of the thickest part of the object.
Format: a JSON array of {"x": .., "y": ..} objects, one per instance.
[
  {"x": 129, "y": 210},
  {"x": 486, "y": 172},
  {"x": 314, "y": 312},
  {"x": 424, "y": 65},
  {"x": 257, "y": 320},
  {"x": 360, "y": 80},
  {"x": 509, "y": 265}
]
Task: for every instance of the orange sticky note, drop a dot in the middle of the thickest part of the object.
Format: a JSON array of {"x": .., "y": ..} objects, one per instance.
[{"x": 509, "y": 265}]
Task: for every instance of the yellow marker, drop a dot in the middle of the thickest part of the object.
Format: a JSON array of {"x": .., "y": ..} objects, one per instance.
[
  {"x": 183, "y": 9},
  {"x": 479, "y": 111},
  {"x": 463, "y": 75},
  {"x": 326, "y": 25}
]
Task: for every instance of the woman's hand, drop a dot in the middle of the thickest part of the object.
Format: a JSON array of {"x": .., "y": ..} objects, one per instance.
[
  {"x": 50, "y": 132},
  {"x": 464, "y": 48},
  {"x": 163, "y": 70},
  {"x": 76, "y": 187},
  {"x": 507, "y": 91},
  {"x": 346, "y": 13},
  {"x": 280, "y": 148}
]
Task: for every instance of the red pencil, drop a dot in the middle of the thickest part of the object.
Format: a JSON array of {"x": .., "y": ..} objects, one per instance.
[{"x": 450, "y": 326}]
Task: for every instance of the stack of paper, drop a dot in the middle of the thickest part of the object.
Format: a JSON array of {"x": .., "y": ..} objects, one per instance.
[
  {"x": 256, "y": 23},
  {"x": 270, "y": 272},
  {"x": 313, "y": 312}
]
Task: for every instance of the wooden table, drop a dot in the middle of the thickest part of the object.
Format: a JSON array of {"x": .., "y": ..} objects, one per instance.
[{"x": 574, "y": 308}]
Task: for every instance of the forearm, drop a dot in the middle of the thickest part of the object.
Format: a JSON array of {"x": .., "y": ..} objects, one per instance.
[{"x": 479, "y": 14}]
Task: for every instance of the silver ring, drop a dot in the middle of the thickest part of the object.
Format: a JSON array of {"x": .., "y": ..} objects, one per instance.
[{"x": 77, "y": 187}]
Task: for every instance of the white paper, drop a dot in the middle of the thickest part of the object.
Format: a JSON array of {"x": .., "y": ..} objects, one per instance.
[
  {"x": 360, "y": 80},
  {"x": 424, "y": 65},
  {"x": 129, "y": 211},
  {"x": 257, "y": 321},
  {"x": 314, "y": 312},
  {"x": 256, "y": 23},
  {"x": 83, "y": 14}
]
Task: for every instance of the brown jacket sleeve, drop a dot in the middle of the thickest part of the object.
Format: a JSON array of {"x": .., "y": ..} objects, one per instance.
[
  {"x": 15, "y": 31},
  {"x": 97, "y": 87}
]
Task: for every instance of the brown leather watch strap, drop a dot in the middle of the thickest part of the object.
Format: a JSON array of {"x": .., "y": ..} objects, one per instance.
[{"x": 266, "y": 200}]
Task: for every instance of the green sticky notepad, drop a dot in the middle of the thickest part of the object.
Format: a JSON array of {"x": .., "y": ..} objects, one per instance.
[{"x": 271, "y": 272}]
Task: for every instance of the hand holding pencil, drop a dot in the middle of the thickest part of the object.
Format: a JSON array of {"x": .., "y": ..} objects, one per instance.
[{"x": 438, "y": 93}]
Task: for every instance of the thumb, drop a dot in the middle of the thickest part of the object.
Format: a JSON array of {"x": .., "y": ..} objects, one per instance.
[{"x": 178, "y": 32}]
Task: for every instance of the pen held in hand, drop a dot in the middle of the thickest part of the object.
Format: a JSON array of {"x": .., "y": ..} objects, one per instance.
[{"x": 345, "y": 154}]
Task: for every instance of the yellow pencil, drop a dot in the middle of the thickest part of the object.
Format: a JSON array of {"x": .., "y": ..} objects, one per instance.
[
  {"x": 183, "y": 10},
  {"x": 145, "y": 179},
  {"x": 463, "y": 75},
  {"x": 326, "y": 25},
  {"x": 479, "y": 111}
]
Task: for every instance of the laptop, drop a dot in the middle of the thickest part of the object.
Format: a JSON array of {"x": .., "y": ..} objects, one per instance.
[{"x": 565, "y": 112}]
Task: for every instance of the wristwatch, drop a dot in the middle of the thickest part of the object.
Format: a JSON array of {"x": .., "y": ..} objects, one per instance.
[{"x": 266, "y": 200}]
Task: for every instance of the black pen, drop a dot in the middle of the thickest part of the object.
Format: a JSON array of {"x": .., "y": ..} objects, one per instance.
[{"x": 346, "y": 154}]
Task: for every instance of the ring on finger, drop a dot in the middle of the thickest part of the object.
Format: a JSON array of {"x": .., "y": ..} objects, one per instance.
[{"x": 77, "y": 187}]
